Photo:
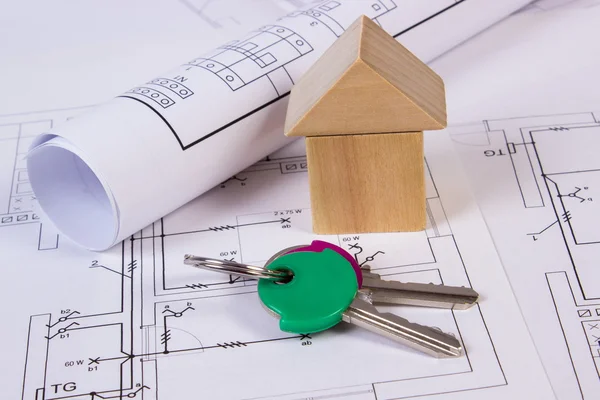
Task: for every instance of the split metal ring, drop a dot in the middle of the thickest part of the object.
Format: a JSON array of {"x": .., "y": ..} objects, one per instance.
[{"x": 234, "y": 268}]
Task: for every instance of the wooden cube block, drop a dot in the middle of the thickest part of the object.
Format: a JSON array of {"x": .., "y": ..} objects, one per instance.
[{"x": 367, "y": 183}]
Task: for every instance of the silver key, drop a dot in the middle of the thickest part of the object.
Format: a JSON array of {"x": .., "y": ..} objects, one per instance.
[
  {"x": 429, "y": 340},
  {"x": 422, "y": 338},
  {"x": 376, "y": 290}
]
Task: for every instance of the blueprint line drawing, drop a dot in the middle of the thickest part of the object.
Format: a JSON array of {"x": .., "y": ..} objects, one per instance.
[
  {"x": 152, "y": 315},
  {"x": 270, "y": 48},
  {"x": 571, "y": 189},
  {"x": 146, "y": 336},
  {"x": 261, "y": 67},
  {"x": 546, "y": 180}
]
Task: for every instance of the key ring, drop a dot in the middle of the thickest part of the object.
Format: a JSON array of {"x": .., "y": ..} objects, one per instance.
[{"x": 234, "y": 268}]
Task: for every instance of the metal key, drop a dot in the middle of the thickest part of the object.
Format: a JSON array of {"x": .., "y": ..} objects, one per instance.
[
  {"x": 323, "y": 292},
  {"x": 376, "y": 290},
  {"x": 423, "y": 338}
]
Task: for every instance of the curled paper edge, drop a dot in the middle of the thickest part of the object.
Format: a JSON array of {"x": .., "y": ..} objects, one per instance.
[{"x": 79, "y": 200}]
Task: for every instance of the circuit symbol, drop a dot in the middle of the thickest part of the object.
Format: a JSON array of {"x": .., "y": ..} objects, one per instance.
[
  {"x": 196, "y": 286},
  {"x": 131, "y": 266},
  {"x": 575, "y": 194},
  {"x": 358, "y": 250},
  {"x": 566, "y": 216},
  {"x": 63, "y": 319},
  {"x": 241, "y": 181},
  {"x": 231, "y": 345},
  {"x": 62, "y": 330},
  {"x": 221, "y": 228},
  {"x": 371, "y": 257},
  {"x": 132, "y": 394},
  {"x": 165, "y": 337},
  {"x": 177, "y": 314},
  {"x": 558, "y": 128}
]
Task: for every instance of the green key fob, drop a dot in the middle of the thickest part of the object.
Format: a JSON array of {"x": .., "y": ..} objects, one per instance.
[{"x": 322, "y": 288}]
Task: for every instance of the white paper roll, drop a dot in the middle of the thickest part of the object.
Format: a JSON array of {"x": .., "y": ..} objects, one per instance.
[{"x": 108, "y": 173}]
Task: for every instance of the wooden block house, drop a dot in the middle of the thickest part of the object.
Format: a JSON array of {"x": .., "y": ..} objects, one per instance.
[{"x": 363, "y": 107}]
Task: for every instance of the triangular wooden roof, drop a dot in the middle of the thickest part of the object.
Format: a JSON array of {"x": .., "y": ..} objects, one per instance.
[{"x": 366, "y": 82}]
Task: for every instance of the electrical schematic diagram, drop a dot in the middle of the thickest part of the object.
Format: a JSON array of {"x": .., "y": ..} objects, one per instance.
[
  {"x": 253, "y": 75},
  {"x": 546, "y": 178},
  {"x": 169, "y": 311},
  {"x": 147, "y": 317}
]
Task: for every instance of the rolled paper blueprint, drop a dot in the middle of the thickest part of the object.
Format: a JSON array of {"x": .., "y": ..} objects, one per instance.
[{"x": 109, "y": 172}]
